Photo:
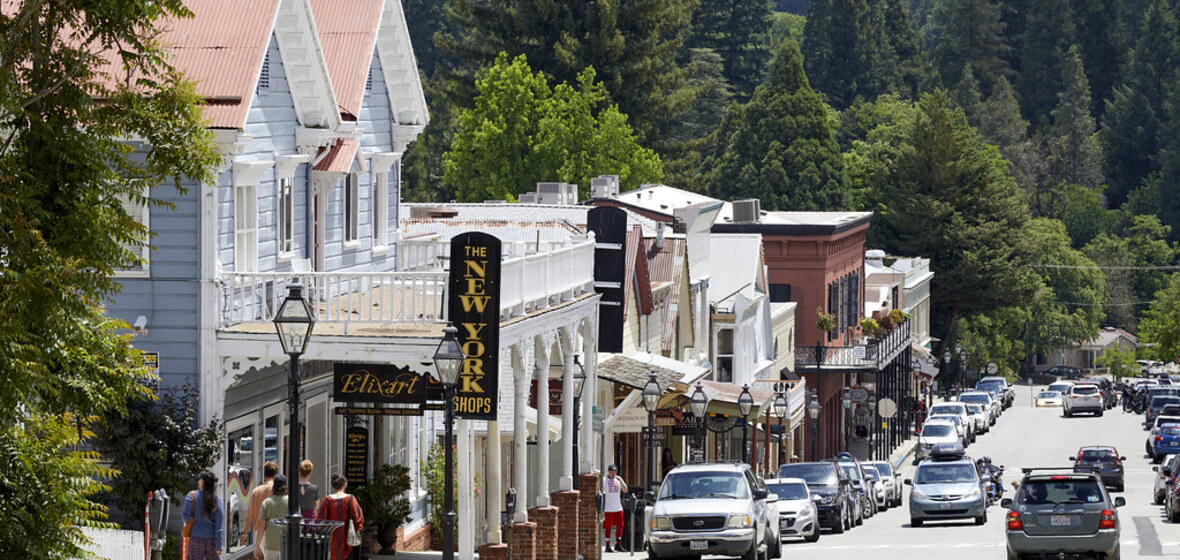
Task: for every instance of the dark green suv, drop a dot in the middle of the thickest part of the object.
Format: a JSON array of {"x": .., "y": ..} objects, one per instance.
[{"x": 1057, "y": 513}]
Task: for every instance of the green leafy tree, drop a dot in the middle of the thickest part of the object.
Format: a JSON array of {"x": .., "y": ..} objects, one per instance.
[
  {"x": 66, "y": 168},
  {"x": 975, "y": 216},
  {"x": 1048, "y": 33},
  {"x": 1128, "y": 262},
  {"x": 1082, "y": 212},
  {"x": 968, "y": 32},
  {"x": 967, "y": 96},
  {"x": 1119, "y": 362},
  {"x": 157, "y": 443},
  {"x": 1067, "y": 310},
  {"x": 780, "y": 147},
  {"x": 737, "y": 31},
  {"x": 1130, "y": 129},
  {"x": 695, "y": 133},
  {"x": 521, "y": 132},
  {"x": 1097, "y": 37},
  {"x": 1159, "y": 335},
  {"x": 1167, "y": 181},
  {"x": 1074, "y": 154},
  {"x": 1001, "y": 124},
  {"x": 785, "y": 26}
]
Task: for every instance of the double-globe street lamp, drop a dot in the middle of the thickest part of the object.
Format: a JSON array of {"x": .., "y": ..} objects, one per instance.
[
  {"x": 780, "y": 410},
  {"x": 447, "y": 359},
  {"x": 872, "y": 404},
  {"x": 651, "y": 401},
  {"x": 579, "y": 383},
  {"x": 745, "y": 405},
  {"x": 813, "y": 410},
  {"x": 699, "y": 403},
  {"x": 294, "y": 323}
]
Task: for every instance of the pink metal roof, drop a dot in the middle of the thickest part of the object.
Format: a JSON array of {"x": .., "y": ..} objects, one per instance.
[
  {"x": 222, "y": 48},
  {"x": 348, "y": 34},
  {"x": 339, "y": 158}
]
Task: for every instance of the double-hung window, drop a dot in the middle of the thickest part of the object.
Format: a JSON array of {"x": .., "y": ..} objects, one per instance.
[
  {"x": 246, "y": 228},
  {"x": 351, "y": 208},
  {"x": 380, "y": 203},
  {"x": 286, "y": 218},
  {"x": 139, "y": 211}
]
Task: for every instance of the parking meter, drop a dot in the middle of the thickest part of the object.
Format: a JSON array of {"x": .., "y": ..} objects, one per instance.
[
  {"x": 510, "y": 504},
  {"x": 599, "y": 502},
  {"x": 158, "y": 509}
]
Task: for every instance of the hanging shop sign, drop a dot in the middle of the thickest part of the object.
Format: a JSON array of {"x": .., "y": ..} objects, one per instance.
[
  {"x": 378, "y": 383},
  {"x": 356, "y": 455},
  {"x": 474, "y": 309},
  {"x": 609, "y": 225},
  {"x": 555, "y": 395}
]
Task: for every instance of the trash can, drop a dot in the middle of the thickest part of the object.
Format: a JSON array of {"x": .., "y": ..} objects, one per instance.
[{"x": 315, "y": 537}]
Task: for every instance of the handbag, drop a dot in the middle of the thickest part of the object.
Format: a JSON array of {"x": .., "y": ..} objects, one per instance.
[
  {"x": 188, "y": 525},
  {"x": 353, "y": 538}
]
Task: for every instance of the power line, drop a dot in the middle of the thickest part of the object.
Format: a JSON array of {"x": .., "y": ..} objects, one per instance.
[
  {"x": 1096, "y": 267},
  {"x": 1122, "y": 304}
]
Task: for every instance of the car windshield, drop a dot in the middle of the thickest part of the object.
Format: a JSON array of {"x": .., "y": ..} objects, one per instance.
[
  {"x": 946, "y": 474},
  {"x": 937, "y": 430},
  {"x": 884, "y": 469},
  {"x": 952, "y": 418},
  {"x": 870, "y": 471},
  {"x": 1085, "y": 390},
  {"x": 989, "y": 385},
  {"x": 1097, "y": 455},
  {"x": 789, "y": 490},
  {"x": 816, "y": 475},
  {"x": 1059, "y": 387},
  {"x": 697, "y": 484},
  {"x": 1160, "y": 401},
  {"x": 974, "y": 408},
  {"x": 1048, "y": 395},
  {"x": 851, "y": 470},
  {"x": 1068, "y": 491},
  {"x": 945, "y": 409},
  {"x": 979, "y": 399}
]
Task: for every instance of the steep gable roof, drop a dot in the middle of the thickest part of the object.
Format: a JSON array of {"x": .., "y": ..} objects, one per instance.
[
  {"x": 406, "y": 98},
  {"x": 348, "y": 32}
]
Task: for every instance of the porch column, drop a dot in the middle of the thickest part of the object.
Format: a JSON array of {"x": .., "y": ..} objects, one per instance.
[
  {"x": 566, "y": 482},
  {"x": 520, "y": 447},
  {"x": 587, "y": 439},
  {"x": 464, "y": 447},
  {"x": 495, "y": 495},
  {"x": 542, "y": 476}
]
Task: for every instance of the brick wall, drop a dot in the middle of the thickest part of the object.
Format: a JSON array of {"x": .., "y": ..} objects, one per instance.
[
  {"x": 589, "y": 522},
  {"x": 546, "y": 520},
  {"x": 567, "y": 523},
  {"x": 523, "y": 541},
  {"x": 415, "y": 541},
  {"x": 493, "y": 552}
]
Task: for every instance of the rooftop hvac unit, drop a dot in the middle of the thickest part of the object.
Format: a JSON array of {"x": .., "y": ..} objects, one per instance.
[
  {"x": 557, "y": 193},
  {"x": 604, "y": 186},
  {"x": 527, "y": 198},
  {"x": 747, "y": 210}
]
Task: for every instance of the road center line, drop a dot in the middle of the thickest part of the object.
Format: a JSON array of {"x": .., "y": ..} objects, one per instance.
[{"x": 1149, "y": 541}]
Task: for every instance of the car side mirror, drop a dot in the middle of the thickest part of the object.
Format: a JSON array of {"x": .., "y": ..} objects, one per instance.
[
  {"x": 1073, "y": 458},
  {"x": 1120, "y": 502},
  {"x": 1155, "y": 469},
  {"x": 649, "y": 497},
  {"x": 1123, "y": 458},
  {"x": 1006, "y": 503},
  {"x": 816, "y": 498},
  {"x": 771, "y": 498},
  {"x": 760, "y": 494},
  {"x": 909, "y": 482}
]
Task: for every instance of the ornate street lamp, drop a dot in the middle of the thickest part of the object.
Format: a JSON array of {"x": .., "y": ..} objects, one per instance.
[
  {"x": 745, "y": 405},
  {"x": 294, "y": 323},
  {"x": 579, "y": 383},
  {"x": 699, "y": 403},
  {"x": 447, "y": 359},
  {"x": 651, "y": 401},
  {"x": 781, "y": 410},
  {"x": 872, "y": 403},
  {"x": 813, "y": 410}
]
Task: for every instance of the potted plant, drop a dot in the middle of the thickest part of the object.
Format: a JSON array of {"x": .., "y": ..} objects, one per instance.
[
  {"x": 384, "y": 504},
  {"x": 825, "y": 322},
  {"x": 869, "y": 327}
]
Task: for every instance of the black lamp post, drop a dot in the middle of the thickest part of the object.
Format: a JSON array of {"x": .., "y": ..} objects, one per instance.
[
  {"x": 745, "y": 405},
  {"x": 294, "y": 323},
  {"x": 780, "y": 410},
  {"x": 872, "y": 402},
  {"x": 579, "y": 383},
  {"x": 699, "y": 403},
  {"x": 651, "y": 401},
  {"x": 447, "y": 360},
  {"x": 813, "y": 410},
  {"x": 846, "y": 400}
]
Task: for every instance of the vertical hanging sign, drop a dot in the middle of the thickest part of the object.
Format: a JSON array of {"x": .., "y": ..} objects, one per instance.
[
  {"x": 474, "y": 309},
  {"x": 356, "y": 456},
  {"x": 609, "y": 225}
]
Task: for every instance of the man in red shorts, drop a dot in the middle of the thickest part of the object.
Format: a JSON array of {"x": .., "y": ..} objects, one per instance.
[{"x": 612, "y": 489}]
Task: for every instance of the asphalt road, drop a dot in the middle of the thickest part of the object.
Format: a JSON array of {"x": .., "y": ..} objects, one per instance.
[{"x": 1024, "y": 436}]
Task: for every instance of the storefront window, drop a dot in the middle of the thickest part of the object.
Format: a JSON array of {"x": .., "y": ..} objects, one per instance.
[{"x": 240, "y": 452}]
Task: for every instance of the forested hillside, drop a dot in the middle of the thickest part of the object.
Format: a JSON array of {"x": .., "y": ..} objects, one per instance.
[{"x": 1030, "y": 149}]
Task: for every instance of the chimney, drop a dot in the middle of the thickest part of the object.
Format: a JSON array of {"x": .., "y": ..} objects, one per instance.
[{"x": 659, "y": 244}]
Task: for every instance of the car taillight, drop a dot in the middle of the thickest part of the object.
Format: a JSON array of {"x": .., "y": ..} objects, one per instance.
[
  {"x": 1014, "y": 522},
  {"x": 1108, "y": 519},
  {"x": 1159, "y": 438}
]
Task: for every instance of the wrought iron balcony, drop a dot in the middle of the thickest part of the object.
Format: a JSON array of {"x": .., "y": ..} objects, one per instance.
[{"x": 872, "y": 356}]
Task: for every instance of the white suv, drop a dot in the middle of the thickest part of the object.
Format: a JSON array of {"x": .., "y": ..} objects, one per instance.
[{"x": 1083, "y": 397}]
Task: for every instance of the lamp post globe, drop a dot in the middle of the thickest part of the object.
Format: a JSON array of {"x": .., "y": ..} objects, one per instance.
[
  {"x": 699, "y": 403},
  {"x": 813, "y": 410},
  {"x": 846, "y": 400},
  {"x": 745, "y": 405},
  {"x": 780, "y": 410},
  {"x": 652, "y": 393},
  {"x": 448, "y": 358},
  {"x": 294, "y": 322},
  {"x": 651, "y": 401}
]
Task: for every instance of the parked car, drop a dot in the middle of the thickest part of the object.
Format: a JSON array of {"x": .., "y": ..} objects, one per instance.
[
  {"x": 947, "y": 486},
  {"x": 1166, "y": 472},
  {"x": 1049, "y": 398},
  {"x": 962, "y": 427},
  {"x": 1083, "y": 398},
  {"x": 1110, "y": 396},
  {"x": 1155, "y": 407},
  {"x": 987, "y": 402},
  {"x": 1165, "y": 442},
  {"x": 957, "y": 409},
  {"x": 892, "y": 479},
  {"x": 715, "y": 508},
  {"x": 860, "y": 484},
  {"x": 995, "y": 383},
  {"x": 831, "y": 484},
  {"x": 1160, "y": 422},
  {"x": 798, "y": 515},
  {"x": 1103, "y": 460},
  {"x": 879, "y": 493},
  {"x": 980, "y": 417},
  {"x": 1172, "y": 501},
  {"x": 1055, "y": 515},
  {"x": 934, "y": 432}
]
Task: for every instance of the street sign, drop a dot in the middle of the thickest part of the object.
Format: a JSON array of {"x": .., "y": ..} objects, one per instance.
[
  {"x": 886, "y": 408},
  {"x": 859, "y": 394},
  {"x": 596, "y": 419},
  {"x": 655, "y": 435}
]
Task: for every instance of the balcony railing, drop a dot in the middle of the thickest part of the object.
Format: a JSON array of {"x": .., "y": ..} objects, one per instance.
[
  {"x": 875, "y": 355},
  {"x": 527, "y": 283}
]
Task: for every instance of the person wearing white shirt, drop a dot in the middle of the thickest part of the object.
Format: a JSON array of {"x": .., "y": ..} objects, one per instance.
[{"x": 612, "y": 490}]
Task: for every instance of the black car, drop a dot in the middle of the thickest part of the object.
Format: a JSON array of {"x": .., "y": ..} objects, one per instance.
[
  {"x": 831, "y": 484},
  {"x": 1103, "y": 460},
  {"x": 1065, "y": 372}
]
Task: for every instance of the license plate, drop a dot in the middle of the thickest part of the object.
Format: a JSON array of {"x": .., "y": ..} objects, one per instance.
[
  {"x": 945, "y": 506},
  {"x": 698, "y": 545},
  {"x": 1060, "y": 520}
]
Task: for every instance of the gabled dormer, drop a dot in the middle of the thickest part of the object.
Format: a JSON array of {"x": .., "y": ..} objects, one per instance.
[{"x": 400, "y": 70}]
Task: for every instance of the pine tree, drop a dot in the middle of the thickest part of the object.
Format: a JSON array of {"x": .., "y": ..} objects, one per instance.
[
  {"x": 1130, "y": 128},
  {"x": 780, "y": 147},
  {"x": 835, "y": 49},
  {"x": 966, "y": 95},
  {"x": 1075, "y": 157},
  {"x": 696, "y": 131},
  {"x": 1096, "y": 35},
  {"x": 736, "y": 30},
  {"x": 904, "y": 69},
  {"x": 1168, "y": 160},
  {"x": 1001, "y": 122},
  {"x": 1048, "y": 33},
  {"x": 969, "y": 31}
]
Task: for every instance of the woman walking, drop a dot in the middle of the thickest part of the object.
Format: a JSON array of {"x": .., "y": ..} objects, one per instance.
[
  {"x": 274, "y": 507},
  {"x": 341, "y": 506},
  {"x": 309, "y": 494},
  {"x": 203, "y": 508}
]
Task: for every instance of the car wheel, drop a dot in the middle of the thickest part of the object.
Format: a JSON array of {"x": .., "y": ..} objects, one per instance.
[
  {"x": 839, "y": 526},
  {"x": 1101, "y": 412},
  {"x": 860, "y": 519},
  {"x": 1116, "y": 554},
  {"x": 651, "y": 555},
  {"x": 1119, "y": 488},
  {"x": 1158, "y": 499},
  {"x": 778, "y": 549},
  {"x": 981, "y": 520},
  {"x": 915, "y": 522},
  {"x": 814, "y": 536},
  {"x": 1155, "y": 459},
  {"x": 751, "y": 554}
]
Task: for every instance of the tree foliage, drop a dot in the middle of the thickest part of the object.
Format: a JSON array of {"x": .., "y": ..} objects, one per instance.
[
  {"x": 1128, "y": 260},
  {"x": 65, "y": 170},
  {"x": 781, "y": 147},
  {"x": 737, "y": 31},
  {"x": 968, "y": 32},
  {"x": 520, "y": 133},
  {"x": 1067, "y": 310},
  {"x": 1160, "y": 332}
]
